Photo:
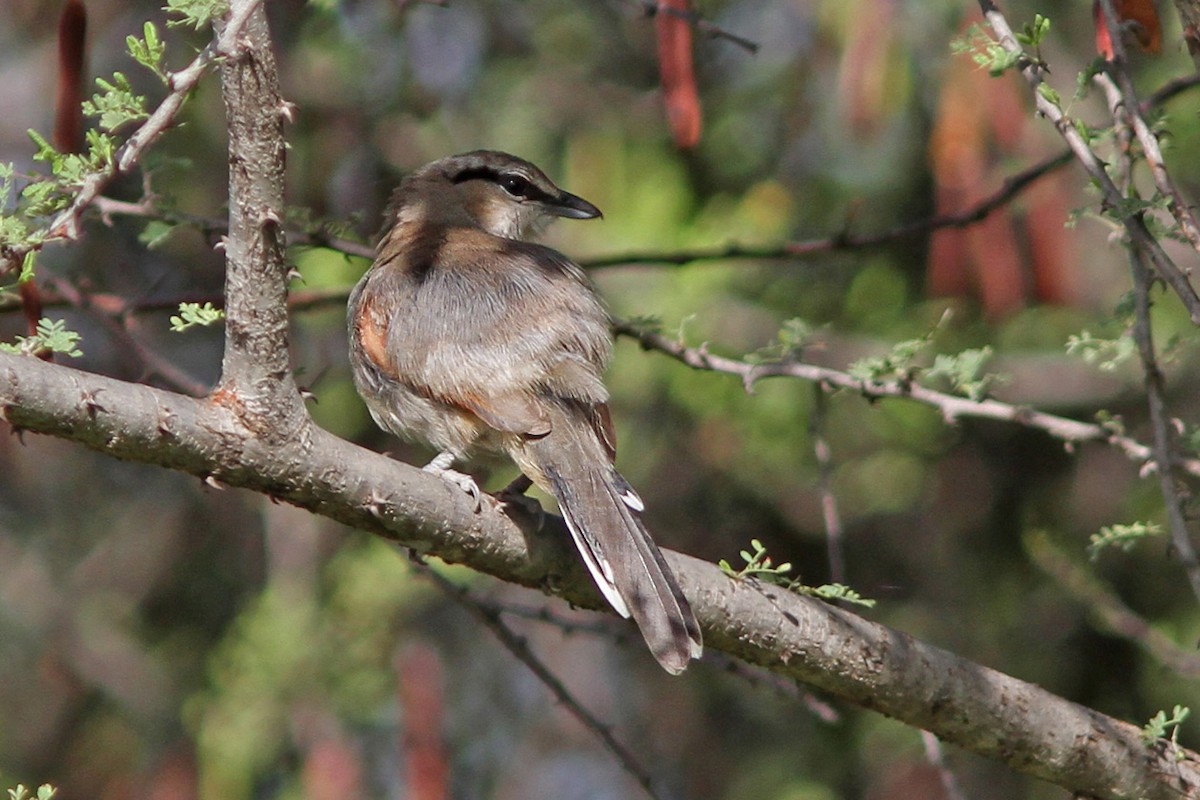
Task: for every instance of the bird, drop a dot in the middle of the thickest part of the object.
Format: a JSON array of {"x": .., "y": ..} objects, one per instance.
[{"x": 468, "y": 337}]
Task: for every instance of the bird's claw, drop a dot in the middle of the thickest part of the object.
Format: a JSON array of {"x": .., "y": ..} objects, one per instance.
[
  {"x": 514, "y": 496},
  {"x": 463, "y": 481}
]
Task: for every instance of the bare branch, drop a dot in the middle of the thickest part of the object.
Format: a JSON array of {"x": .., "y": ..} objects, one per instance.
[
  {"x": 1160, "y": 422},
  {"x": 829, "y": 506},
  {"x": 1106, "y": 607},
  {"x": 1126, "y": 115},
  {"x": 521, "y": 651},
  {"x": 953, "y": 407}
]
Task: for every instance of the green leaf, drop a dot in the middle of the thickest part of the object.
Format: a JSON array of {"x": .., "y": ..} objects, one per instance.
[
  {"x": 197, "y": 13},
  {"x": 27, "y": 265},
  {"x": 7, "y": 172},
  {"x": 1049, "y": 94},
  {"x": 1105, "y": 354},
  {"x": 1159, "y": 726},
  {"x": 116, "y": 105},
  {"x": 1121, "y": 537},
  {"x": 837, "y": 591},
  {"x": 789, "y": 343},
  {"x": 44, "y": 197},
  {"x": 45, "y": 150},
  {"x": 965, "y": 371},
  {"x": 155, "y": 233},
  {"x": 758, "y": 565},
  {"x": 1033, "y": 34},
  {"x": 148, "y": 51},
  {"x": 51, "y": 335},
  {"x": 896, "y": 365},
  {"x": 193, "y": 314}
]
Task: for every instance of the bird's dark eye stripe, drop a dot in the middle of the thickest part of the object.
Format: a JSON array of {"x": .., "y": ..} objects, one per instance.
[
  {"x": 476, "y": 174},
  {"x": 527, "y": 190}
]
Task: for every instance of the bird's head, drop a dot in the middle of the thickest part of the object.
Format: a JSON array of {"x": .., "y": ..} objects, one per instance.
[{"x": 505, "y": 195}]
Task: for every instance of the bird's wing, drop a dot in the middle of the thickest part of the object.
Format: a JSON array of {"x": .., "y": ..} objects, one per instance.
[{"x": 496, "y": 326}]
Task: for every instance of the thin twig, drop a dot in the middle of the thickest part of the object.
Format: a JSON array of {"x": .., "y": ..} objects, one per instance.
[
  {"x": 935, "y": 756},
  {"x": 953, "y": 407},
  {"x": 841, "y": 242},
  {"x": 754, "y": 676},
  {"x": 1111, "y": 615},
  {"x": 119, "y": 329},
  {"x": 181, "y": 83},
  {"x": 829, "y": 507},
  {"x": 713, "y": 31},
  {"x": 520, "y": 650},
  {"x": 1131, "y": 219},
  {"x": 1179, "y": 208},
  {"x": 1159, "y": 421},
  {"x": 1124, "y": 113},
  {"x": 844, "y": 242}
]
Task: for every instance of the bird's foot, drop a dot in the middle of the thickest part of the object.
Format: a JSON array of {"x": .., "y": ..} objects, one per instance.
[
  {"x": 514, "y": 496},
  {"x": 440, "y": 466}
]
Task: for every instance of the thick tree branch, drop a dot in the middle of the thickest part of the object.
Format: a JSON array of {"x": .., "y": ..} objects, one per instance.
[
  {"x": 862, "y": 662},
  {"x": 256, "y": 376}
]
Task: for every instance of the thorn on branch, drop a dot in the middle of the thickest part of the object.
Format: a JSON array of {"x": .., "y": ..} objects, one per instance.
[
  {"x": 164, "y": 423},
  {"x": 375, "y": 505},
  {"x": 92, "y": 405}
]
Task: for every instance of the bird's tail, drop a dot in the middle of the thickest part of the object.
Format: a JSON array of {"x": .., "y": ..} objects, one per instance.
[{"x": 603, "y": 512}]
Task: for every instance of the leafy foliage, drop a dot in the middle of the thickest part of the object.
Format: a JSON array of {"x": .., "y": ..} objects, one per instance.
[
  {"x": 44, "y": 792},
  {"x": 837, "y": 592},
  {"x": 789, "y": 343},
  {"x": 965, "y": 371},
  {"x": 985, "y": 51},
  {"x": 196, "y": 13},
  {"x": 51, "y": 336},
  {"x": 117, "y": 105},
  {"x": 1121, "y": 537},
  {"x": 758, "y": 564},
  {"x": 1160, "y": 728},
  {"x": 1106, "y": 354},
  {"x": 148, "y": 50},
  {"x": 193, "y": 314}
]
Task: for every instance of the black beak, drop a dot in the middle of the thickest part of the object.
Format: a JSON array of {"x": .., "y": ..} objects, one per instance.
[{"x": 574, "y": 207}]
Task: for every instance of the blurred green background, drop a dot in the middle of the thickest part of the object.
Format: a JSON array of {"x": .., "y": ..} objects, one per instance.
[{"x": 163, "y": 639}]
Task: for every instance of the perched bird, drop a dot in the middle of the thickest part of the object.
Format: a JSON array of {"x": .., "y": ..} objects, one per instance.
[{"x": 467, "y": 337}]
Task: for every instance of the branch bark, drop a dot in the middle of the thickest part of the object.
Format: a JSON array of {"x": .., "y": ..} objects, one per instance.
[
  {"x": 865, "y": 663},
  {"x": 256, "y": 377}
]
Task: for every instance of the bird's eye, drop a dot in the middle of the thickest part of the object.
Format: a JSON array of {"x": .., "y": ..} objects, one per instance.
[{"x": 515, "y": 185}]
